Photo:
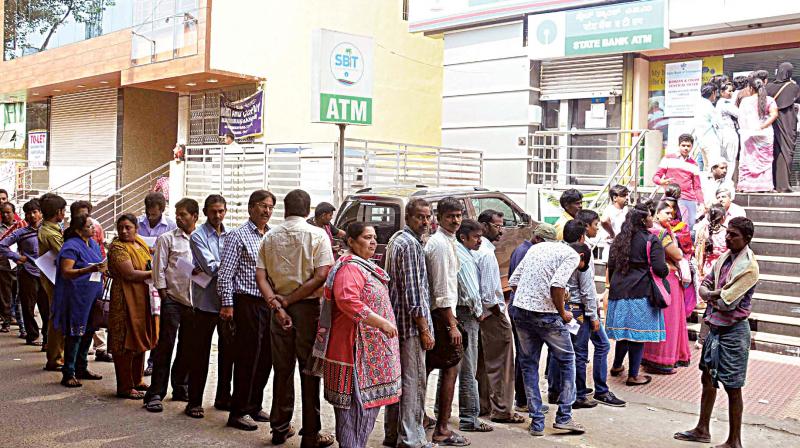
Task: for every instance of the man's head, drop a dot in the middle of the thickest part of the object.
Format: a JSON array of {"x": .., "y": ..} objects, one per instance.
[
  {"x": 80, "y": 208},
  {"x": 574, "y": 231},
  {"x": 585, "y": 253},
  {"x": 685, "y": 143},
  {"x": 33, "y": 212},
  {"x": 492, "y": 222},
  {"x": 229, "y": 138},
  {"x": 619, "y": 195},
  {"x": 3, "y": 196},
  {"x": 418, "y": 216},
  {"x": 544, "y": 232},
  {"x": 724, "y": 198},
  {"x": 719, "y": 169},
  {"x": 215, "y": 208},
  {"x": 154, "y": 205},
  {"x": 571, "y": 201},
  {"x": 53, "y": 207},
  {"x": 592, "y": 221},
  {"x": 260, "y": 206},
  {"x": 449, "y": 212},
  {"x": 187, "y": 211},
  {"x": 297, "y": 203},
  {"x": 7, "y": 211},
  {"x": 740, "y": 233},
  {"x": 469, "y": 234},
  {"x": 323, "y": 213}
]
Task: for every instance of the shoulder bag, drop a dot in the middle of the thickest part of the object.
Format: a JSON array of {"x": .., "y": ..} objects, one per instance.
[
  {"x": 101, "y": 306},
  {"x": 659, "y": 294}
]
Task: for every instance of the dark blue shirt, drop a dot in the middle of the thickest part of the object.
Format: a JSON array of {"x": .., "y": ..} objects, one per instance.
[
  {"x": 27, "y": 240},
  {"x": 516, "y": 258}
]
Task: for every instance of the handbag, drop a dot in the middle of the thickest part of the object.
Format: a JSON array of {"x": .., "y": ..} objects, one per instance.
[
  {"x": 101, "y": 307},
  {"x": 659, "y": 294}
]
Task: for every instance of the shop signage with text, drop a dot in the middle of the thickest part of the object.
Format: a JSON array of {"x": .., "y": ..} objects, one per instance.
[
  {"x": 37, "y": 150},
  {"x": 619, "y": 28},
  {"x": 244, "y": 117}
]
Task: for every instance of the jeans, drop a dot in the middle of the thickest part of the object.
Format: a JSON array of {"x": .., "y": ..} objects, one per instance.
[
  {"x": 580, "y": 343},
  {"x": 403, "y": 420},
  {"x": 468, "y": 399},
  {"x": 76, "y": 350},
  {"x": 174, "y": 322},
  {"x": 691, "y": 211},
  {"x": 535, "y": 330}
]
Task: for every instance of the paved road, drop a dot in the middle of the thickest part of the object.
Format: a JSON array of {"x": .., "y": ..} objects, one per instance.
[{"x": 35, "y": 411}]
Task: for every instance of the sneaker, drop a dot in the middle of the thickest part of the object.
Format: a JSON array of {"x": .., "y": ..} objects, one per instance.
[
  {"x": 571, "y": 426},
  {"x": 103, "y": 356},
  {"x": 245, "y": 423},
  {"x": 279, "y": 437},
  {"x": 535, "y": 433},
  {"x": 584, "y": 403},
  {"x": 609, "y": 399},
  {"x": 521, "y": 408}
]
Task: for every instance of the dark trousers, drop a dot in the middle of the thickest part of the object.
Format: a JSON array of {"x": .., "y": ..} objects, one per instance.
[
  {"x": 31, "y": 295},
  {"x": 520, "y": 398},
  {"x": 76, "y": 351},
  {"x": 174, "y": 323},
  {"x": 253, "y": 357},
  {"x": 6, "y": 296},
  {"x": 199, "y": 335},
  {"x": 226, "y": 347},
  {"x": 288, "y": 348}
]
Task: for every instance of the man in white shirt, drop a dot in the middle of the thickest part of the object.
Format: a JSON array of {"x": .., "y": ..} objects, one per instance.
[
  {"x": 717, "y": 180},
  {"x": 442, "y": 264},
  {"x": 706, "y": 125},
  {"x": 725, "y": 198},
  {"x": 540, "y": 283},
  {"x": 496, "y": 334},
  {"x": 173, "y": 253}
]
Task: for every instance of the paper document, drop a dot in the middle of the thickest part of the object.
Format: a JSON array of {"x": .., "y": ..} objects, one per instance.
[
  {"x": 573, "y": 326},
  {"x": 150, "y": 240},
  {"x": 12, "y": 248},
  {"x": 47, "y": 265},
  {"x": 96, "y": 277},
  {"x": 185, "y": 267},
  {"x": 202, "y": 279}
]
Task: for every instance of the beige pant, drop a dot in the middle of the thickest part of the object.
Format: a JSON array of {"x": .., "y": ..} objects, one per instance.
[{"x": 498, "y": 365}]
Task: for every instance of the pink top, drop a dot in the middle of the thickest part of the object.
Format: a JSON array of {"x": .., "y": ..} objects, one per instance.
[{"x": 683, "y": 172}]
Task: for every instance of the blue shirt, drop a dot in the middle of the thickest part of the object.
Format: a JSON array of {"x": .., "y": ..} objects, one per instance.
[
  {"x": 27, "y": 240},
  {"x": 163, "y": 226},
  {"x": 516, "y": 258},
  {"x": 237, "y": 271},
  {"x": 469, "y": 290},
  {"x": 207, "y": 247}
]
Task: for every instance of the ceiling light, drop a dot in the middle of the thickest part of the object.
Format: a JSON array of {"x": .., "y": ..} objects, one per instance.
[
  {"x": 103, "y": 82},
  {"x": 56, "y": 90},
  {"x": 212, "y": 80},
  {"x": 169, "y": 86},
  {"x": 35, "y": 93},
  {"x": 191, "y": 84},
  {"x": 80, "y": 86}
]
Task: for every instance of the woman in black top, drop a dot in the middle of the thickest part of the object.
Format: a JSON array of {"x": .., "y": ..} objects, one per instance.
[{"x": 632, "y": 319}]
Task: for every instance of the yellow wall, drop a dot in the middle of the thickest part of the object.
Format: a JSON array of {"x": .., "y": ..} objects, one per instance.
[{"x": 407, "y": 92}]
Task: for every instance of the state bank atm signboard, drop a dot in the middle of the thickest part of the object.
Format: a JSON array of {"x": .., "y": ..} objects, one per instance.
[
  {"x": 619, "y": 28},
  {"x": 341, "y": 78}
]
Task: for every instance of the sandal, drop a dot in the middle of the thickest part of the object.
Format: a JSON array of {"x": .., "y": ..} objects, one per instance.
[
  {"x": 132, "y": 395},
  {"x": 428, "y": 423},
  {"x": 71, "y": 382},
  {"x": 454, "y": 439},
  {"x": 616, "y": 372},
  {"x": 142, "y": 387},
  {"x": 482, "y": 427},
  {"x": 689, "y": 436},
  {"x": 647, "y": 379},
  {"x": 514, "y": 419},
  {"x": 194, "y": 411},
  {"x": 154, "y": 405}
]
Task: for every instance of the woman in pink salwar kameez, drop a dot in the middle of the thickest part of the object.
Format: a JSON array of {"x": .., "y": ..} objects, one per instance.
[{"x": 757, "y": 111}]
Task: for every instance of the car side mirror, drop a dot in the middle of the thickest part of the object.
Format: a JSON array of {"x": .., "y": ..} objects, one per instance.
[{"x": 526, "y": 218}]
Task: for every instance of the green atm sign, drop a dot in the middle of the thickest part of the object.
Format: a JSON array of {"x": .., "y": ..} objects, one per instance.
[{"x": 345, "y": 109}]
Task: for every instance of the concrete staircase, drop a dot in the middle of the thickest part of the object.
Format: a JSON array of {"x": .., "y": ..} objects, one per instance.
[{"x": 775, "y": 320}]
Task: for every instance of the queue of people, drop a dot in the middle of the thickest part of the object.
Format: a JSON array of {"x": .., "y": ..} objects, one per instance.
[{"x": 364, "y": 336}]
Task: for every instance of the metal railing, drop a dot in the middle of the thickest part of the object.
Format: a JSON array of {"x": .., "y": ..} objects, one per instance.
[
  {"x": 95, "y": 184},
  {"x": 127, "y": 199},
  {"x": 628, "y": 172},
  {"x": 18, "y": 182}
]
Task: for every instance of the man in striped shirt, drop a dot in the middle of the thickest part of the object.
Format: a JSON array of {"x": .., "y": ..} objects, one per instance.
[
  {"x": 409, "y": 293},
  {"x": 242, "y": 301}
]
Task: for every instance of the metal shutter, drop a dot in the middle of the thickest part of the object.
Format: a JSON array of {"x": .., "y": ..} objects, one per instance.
[
  {"x": 83, "y": 133},
  {"x": 582, "y": 77}
]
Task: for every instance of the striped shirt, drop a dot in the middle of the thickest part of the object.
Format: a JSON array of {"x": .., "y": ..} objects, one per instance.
[
  {"x": 237, "y": 271},
  {"x": 408, "y": 289},
  {"x": 27, "y": 241},
  {"x": 469, "y": 291},
  {"x": 489, "y": 271}
]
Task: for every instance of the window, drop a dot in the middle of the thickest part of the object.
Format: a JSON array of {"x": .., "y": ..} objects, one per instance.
[
  {"x": 384, "y": 217},
  {"x": 511, "y": 218},
  {"x": 164, "y": 30}
]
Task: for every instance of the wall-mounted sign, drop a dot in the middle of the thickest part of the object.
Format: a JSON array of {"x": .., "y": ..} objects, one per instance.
[
  {"x": 682, "y": 81},
  {"x": 341, "y": 78},
  {"x": 37, "y": 150},
  {"x": 618, "y": 28},
  {"x": 244, "y": 118}
]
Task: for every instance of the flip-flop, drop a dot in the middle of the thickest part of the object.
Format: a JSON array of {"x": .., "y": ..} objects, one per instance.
[
  {"x": 194, "y": 411},
  {"x": 687, "y": 436},
  {"x": 154, "y": 405},
  {"x": 454, "y": 439},
  {"x": 132, "y": 395},
  {"x": 482, "y": 427},
  {"x": 514, "y": 419}
]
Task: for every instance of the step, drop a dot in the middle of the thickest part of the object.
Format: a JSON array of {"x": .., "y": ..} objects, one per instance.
[
  {"x": 767, "y": 323},
  {"x": 773, "y": 214},
  {"x": 777, "y": 247},
  {"x": 776, "y": 304},
  {"x": 779, "y": 284},
  {"x": 768, "y": 264},
  {"x": 765, "y": 342},
  {"x": 788, "y": 231},
  {"x": 768, "y": 199}
]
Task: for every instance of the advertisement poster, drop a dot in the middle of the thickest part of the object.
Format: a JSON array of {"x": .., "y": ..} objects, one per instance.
[
  {"x": 244, "y": 117},
  {"x": 682, "y": 87},
  {"x": 37, "y": 150}
]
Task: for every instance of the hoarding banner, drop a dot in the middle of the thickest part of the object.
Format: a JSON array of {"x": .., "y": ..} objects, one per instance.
[
  {"x": 682, "y": 81},
  {"x": 244, "y": 118},
  {"x": 618, "y": 28},
  {"x": 37, "y": 150}
]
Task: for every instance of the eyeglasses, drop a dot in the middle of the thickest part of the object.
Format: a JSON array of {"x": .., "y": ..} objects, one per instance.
[{"x": 497, "y": 226}]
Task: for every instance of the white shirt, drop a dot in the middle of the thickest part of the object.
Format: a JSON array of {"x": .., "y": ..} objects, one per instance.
[
  {"x": 489, "y": 272},
  {"x": 170, "y": 247},
  {"x": 711, "y": 186},
  {"x": 442, "y": 264},
  {"x": 546, "y": 265},
  {"x": 616, "y": 216}
]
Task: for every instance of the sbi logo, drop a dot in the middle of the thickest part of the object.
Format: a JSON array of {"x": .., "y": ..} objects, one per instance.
[
  {"x": 347, "y": 63},
  {"x": 546, "y": 32}
]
